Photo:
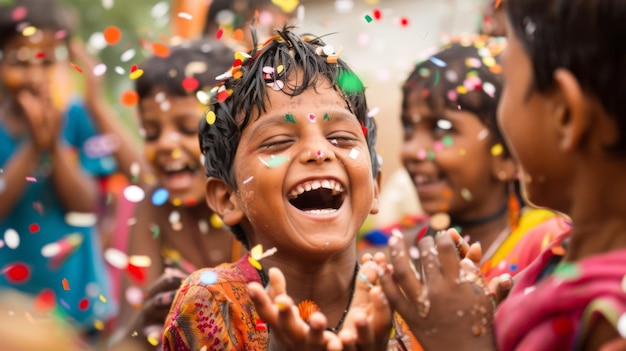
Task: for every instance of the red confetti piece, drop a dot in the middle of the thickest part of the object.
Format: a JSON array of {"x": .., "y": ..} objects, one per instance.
[
  {"x": 34, "y": 228},
  {"x": 364, "y": 129},
  {"x": 219, "y": 34},
  {"x": 112, "y": 35},
  {"x": 404, "y": 21},
  {"x": 17, "y": 273},
  {"x": 45, "y": 301},
  {"x": 222, "y": 95},
  {"x": 133, "y": 68},
  {"x": 76, "y": 68},
  {"x": 377, "y": 14},
  {"x": 260, "y": 325},
  {"x": 40, "y": 55},
  {"x": 137, "y": 273},
  {"x": 83, "y": 304},
  {"x": 19, "y": 13},
  {"x": 190, "y": 83}
]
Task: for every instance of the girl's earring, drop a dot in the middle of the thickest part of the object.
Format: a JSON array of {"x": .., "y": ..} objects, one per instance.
[{"x": 514, "y": 207}]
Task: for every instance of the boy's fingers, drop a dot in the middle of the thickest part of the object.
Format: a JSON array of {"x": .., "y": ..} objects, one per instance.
[
  {"x": 315, "y": 337},
  {"x": 278, "y": 285},
  {"x": 403, "y": 270},
  {"x": 429, "y": 258},
  {"x": 448, "y": 257},
  {"x": 264, "y": 306}
]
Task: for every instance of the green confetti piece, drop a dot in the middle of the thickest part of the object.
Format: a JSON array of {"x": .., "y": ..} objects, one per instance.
[
  {"x": 289, "y": 118},
  {"x": 447, "y": 140},
  {"x": 349, "y": 83},
  {"x": 368, "y": 18},
  {"x": 567, "y": 271},
  {"x": 437, "y": 77},
  {"x": 155, "y": 231},
  {"x": 326, "y": 117},
  {"x": 430, "y": 155},
  {"x": 276, "y": 161}
]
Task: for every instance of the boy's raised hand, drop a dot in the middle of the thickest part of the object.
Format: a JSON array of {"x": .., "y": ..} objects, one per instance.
[
  {"x": 368, "y": 323},
  {"x": 445, "y": 295},
  {"x": 287, "y": 330}
]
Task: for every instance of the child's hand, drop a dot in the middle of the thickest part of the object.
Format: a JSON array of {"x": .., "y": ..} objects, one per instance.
[
  {"x": 288, "y": 330},
  {"x": 368, "y": 323},
  {"x": 446, "y": 305},
  {"x": 43, "y": 119},
  {"x": 500, "y": 287},
  {"x": 93, "y": 83}
]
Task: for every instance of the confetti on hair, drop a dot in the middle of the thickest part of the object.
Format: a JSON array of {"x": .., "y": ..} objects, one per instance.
[
  {"x": 210, "y": 117},
  {"x": 29, "y": 31},
  {"x": 437, "y": 62},
  {"x": 349, "y": 82},
  {"x": 289, "y": 118}
]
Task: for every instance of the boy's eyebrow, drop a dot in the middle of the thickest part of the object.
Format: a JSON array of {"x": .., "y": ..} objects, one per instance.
[{"x": 267, "y": 121}]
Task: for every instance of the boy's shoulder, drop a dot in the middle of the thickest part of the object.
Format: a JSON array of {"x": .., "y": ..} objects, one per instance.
[{"x": 239, "y": 272}]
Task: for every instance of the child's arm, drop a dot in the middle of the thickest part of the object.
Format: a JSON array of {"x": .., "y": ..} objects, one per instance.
[
  {"x": 76, "y": 190},
  {"x": 22, "y": 164},
  {"x": 127, "y": 152}
]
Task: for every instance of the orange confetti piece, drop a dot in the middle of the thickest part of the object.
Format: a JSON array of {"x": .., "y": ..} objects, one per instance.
[
  {"x": 160, "y": 49},
  {"x": 76, "y": 68},
  {"x": 66, "y": 284},
  {"x": 112, "y": 35},
  {"x": 129, "y": 98},
  {"x": 238, "y": 34},
  {"x": 117, "y": 183}
]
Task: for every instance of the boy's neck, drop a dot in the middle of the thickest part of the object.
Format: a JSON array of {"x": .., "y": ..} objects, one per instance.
[
  {"x": 598, "y": 210},
  {"x": 328, "y": 283}
]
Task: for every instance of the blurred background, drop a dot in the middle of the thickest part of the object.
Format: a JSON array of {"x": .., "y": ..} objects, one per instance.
[{"x": 381, "y": 39}]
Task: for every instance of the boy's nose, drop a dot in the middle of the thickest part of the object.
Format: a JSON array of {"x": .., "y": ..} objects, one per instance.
[
  {"x": 169, "y": 140},
  {"x": 318, "y": 152},
  {"x": 417, "y": 147}
]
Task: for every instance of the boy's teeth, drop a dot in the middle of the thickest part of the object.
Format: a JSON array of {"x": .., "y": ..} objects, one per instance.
[
  {"x": 321, "y": 211},
  {"x": 174, "y": 166},
  {"x": 317, "y": 184}
]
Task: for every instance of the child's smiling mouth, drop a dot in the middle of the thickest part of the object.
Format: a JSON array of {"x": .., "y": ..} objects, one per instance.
[{"x": 320, "y": 196}]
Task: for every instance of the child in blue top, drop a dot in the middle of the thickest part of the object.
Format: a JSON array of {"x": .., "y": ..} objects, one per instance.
[{"x": 48, "y": 192}]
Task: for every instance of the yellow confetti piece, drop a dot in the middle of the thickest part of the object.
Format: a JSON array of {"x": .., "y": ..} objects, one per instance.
[
  {"x": 66, "y": 284},
  {"x": 461, "y": 89},
  {"x": 254, "y": 263},
  {"x": 216, "y": 221},
  {"x": 489, "y": 61},
  {"x": 256, "y": 252},
  {"x": 136, "y": 74},
  {"x": 28, "y": 31},
  {"x": 241, "y": 55},
  {"x": 176, "y": 153},
  {"x": 140, "y": 260},
  {"x": 177, "y": 202},
  {"x": 497, "y": 150},
  {"x": 98, "y": 324},
  {"x": 153, "y": 340},
  {"x": 210, "y": 117},
  {"x": 103, "y": 299},
  {"x": 238, "y": 75},
  {"x": 280, "y": 69},
  {"x": 462, "y": 152}
]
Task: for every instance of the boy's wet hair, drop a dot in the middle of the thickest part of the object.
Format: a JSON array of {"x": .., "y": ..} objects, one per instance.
[
  {"x": 464, "y": 75},
  {"x": 41, "y": 14},
  {"x": 586, "y": 37},
  {"x": 245, "y": 92},
  {"x": 202, "y": 60}
]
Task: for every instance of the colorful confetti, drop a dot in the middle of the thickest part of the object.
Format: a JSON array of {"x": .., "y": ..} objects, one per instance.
[
  {"x": 289, "y": 118},
  {"x": 112, "y": 35},
  {"x": 134, "y": 193},
  {"x": 160, "y": 196},
  {"x": 11, "y": 238}
]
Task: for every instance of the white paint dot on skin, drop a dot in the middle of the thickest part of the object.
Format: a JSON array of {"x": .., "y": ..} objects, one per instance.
[
  {"x": 134, "y": 193},
  {"x": 354, "y": 153}
]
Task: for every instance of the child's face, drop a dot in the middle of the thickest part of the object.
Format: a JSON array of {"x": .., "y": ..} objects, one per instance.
[
  {"x": 447, "y": 153},
  {"x": 30, "y": 62},
  {"x": 524, "y": 117},
  {"x": 304, "y": 173},
  {"x": 171, "y": 144}
]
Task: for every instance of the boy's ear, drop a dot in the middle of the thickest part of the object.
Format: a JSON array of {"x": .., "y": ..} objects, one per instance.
[
  {"x": 222, "y": 200},
  {"x": 569, "y": 110},
  {"x": 375, "y": 201}
]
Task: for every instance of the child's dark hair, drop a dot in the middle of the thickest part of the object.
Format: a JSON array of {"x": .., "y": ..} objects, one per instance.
[
  {"x": 201, "y": 59},
  {"x": 463, "y": 75},
  {"x": 246, "y": 91},
  {"x": 585, "y": 37},
  {"x": 41, "y": 14}
]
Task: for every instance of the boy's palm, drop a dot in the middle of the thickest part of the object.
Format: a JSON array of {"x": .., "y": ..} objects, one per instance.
[{"x": 44, "y": 120}]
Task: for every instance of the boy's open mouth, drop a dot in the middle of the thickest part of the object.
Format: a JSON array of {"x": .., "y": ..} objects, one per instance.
[{"x": 318, "y": 196}]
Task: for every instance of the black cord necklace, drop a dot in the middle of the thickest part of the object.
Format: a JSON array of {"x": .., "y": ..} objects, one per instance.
[
  {"x": 478, "y": 221},
  {"x": 345, "y": 312}
]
